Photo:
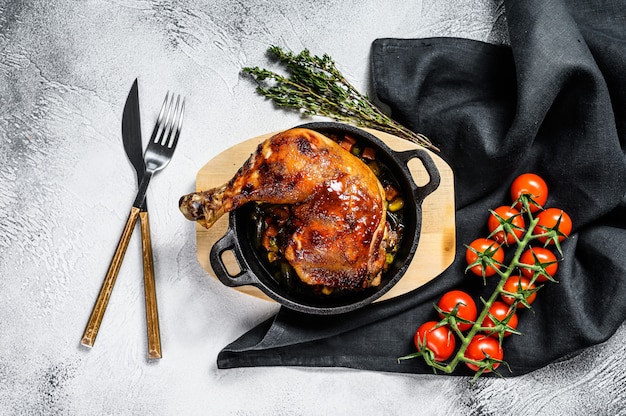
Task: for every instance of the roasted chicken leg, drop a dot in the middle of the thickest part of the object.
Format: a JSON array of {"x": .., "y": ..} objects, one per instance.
[{"x": 337, "y": 229}]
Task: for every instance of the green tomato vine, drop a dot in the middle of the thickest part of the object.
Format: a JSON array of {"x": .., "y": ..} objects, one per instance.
[{"x": 536, "y": 231}]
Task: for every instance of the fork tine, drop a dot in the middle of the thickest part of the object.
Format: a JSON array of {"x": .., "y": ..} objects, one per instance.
[
  {"x": 171, "y": 117},
  {"x": 166, "y": 126},
  {"x": 159, "y": 122},
  {"x": 177, "y": 123},
  {"x": 168, "y": 135},
  {"x": 166, "y": 132}
]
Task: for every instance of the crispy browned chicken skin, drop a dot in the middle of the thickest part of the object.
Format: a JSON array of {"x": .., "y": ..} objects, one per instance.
[{"x": 338, "y": 225}]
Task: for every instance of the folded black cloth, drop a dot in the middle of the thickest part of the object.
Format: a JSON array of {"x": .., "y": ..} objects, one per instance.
[{"x": 553, "y": 103}]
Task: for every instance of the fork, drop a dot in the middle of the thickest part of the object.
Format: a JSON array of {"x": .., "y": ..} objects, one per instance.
[{"x": 157, "y": 156}]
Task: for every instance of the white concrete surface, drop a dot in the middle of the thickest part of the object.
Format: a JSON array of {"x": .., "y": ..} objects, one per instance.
[{"x": 66, "y": 187}]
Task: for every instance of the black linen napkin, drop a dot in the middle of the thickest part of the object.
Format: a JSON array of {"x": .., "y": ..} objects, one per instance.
[{"x": 553, "y": 103}]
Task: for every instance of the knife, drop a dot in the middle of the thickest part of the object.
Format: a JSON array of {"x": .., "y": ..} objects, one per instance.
[{"x": 131, "y": 136}]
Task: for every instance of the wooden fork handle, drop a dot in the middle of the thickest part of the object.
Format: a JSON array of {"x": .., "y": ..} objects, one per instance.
[
  {"x": 93, "y": 325},
  {"x": 152, "y": 314}
]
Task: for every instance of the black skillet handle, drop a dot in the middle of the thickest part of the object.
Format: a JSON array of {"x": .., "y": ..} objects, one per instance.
[
  {"x": 229, "y": 243},
  {"x": 434, "y": 180}
]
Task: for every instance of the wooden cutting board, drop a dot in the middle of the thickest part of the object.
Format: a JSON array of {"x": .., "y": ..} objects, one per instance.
[{"x": 437, "y": 242}]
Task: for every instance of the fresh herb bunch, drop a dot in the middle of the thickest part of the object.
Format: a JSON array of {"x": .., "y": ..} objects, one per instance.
[
  {"x": 532, "y": 232},
  {"x": 314, "y": 86}
]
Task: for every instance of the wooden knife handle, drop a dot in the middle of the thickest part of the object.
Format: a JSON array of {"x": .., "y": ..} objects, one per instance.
[
  {"x": 93, "y": 325},
  {"x": 152, "y": 314}
]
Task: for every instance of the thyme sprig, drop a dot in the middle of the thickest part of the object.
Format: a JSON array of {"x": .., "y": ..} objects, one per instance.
[{"x": 315, "y": 87}]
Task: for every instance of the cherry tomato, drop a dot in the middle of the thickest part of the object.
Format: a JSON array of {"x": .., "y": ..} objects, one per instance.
[
  {"x": 533, "y": 186},
  {"x": 439, "y": 340},
  {"x": 466, "y": 309},
  {"x": 515, "y": 284},
  {"x": 539, "y": 256},
  {"x": 481, "y": 347},
  {"x": 500, "y": 312},
  {"x": 553, "y": 219},
  {"x": 513, "y": 217},
  {"x": 482, "y": 248}
]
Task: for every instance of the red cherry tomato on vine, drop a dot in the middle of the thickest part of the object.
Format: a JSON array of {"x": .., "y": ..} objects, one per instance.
[
  {"x": 482, "y": 346},
  {"x": 466, "y": 310},
  {"x": 484, "y": 247},
  {"x": 532, "y": 185},
  {"x": 500, "y": 312},
  {"x": 439, "y": 340},
  {"x": 511, "y": 216},
  {"x": 542, "y": 257},
  {"x": 517, "y": 284},
  {"x": 553, "y": 219}
]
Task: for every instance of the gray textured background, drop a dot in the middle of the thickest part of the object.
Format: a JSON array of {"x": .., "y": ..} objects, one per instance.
[{"x": 66, "y": 187}]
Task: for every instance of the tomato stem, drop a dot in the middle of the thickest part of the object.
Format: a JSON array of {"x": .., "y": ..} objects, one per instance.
[
  {"x": 477, "y": 327},
  {"x": 520, "y": 298}
]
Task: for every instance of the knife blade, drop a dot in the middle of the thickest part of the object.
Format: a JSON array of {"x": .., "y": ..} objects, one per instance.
[
  {"x": 131, "y": 136},
  {"x": 131, "y": 131}
]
